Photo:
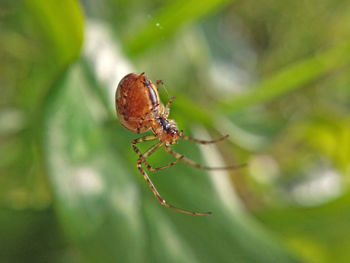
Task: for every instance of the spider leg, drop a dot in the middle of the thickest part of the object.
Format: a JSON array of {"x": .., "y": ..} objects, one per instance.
[
  {"x": 188, "y": 138},
  {"x": 144, "y": 139},
  {"x": 159, "y": 82},
  {"x": 199, "y": 166},
  {"x": 160, "y": 199},
  {"x": 167, "y": 106},
  {"x": 152, "y": 150},
  {"x": 148, "y": 180},
  {"x": 148, "y": 153}
]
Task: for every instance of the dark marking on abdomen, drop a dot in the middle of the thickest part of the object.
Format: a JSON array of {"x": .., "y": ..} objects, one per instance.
[{"x": 152, "y": 94}]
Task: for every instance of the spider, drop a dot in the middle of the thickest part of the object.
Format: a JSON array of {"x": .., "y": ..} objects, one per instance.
[{"x": 139, "y": 109}]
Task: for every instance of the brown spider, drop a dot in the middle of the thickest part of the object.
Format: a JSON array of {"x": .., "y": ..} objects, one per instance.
[{"x": 140, "y": 109}]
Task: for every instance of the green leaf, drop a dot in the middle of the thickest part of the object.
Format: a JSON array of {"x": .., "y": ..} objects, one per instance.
[
  {"x": 293, "y": 77},
  {"x": 319, "y": 234},
  {"x": 38, "y": 41},
  {"x": 106, "y": 207},
  {"x": 62, "y": 24},
  {"x": 169, "y": 19}
]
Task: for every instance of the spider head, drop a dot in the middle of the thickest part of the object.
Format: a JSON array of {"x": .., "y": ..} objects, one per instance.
[{"x": 167, "y": 131}]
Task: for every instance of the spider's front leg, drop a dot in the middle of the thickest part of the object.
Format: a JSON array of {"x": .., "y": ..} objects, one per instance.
[{"x": 199, "y": 166}]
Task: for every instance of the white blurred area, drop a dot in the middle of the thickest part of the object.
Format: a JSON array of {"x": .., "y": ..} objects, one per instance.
[
  {"x": 320, "y": 186},
  {"x": 264, "y": 168},
  {"x": 87, "y": 181},
  {"x": 105, "y": 57},
  {"x": 220, "y": 178}
]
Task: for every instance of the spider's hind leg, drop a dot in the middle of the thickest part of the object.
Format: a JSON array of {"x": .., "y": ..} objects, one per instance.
[{"x": 199, "y": 166}]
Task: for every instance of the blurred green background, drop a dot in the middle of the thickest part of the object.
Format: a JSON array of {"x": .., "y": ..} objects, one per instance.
[{"x": 274, "y": 75}]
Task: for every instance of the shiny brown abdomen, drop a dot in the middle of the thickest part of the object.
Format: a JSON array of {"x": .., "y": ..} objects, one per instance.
[{"x": 137, "y": 102}]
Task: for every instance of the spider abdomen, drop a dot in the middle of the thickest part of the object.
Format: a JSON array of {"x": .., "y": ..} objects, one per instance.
[{"x": 137, "y": 102}]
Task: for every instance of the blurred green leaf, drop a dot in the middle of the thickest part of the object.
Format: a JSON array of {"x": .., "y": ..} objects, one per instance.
[
  {"x": 332, "y": 139},
  {"x": 38, "y": 43},
  {"x": 62, "y": 24},
  {"x": 319, "y": 233},
  {"x": 106, "y": 207},
  {"x": 170, "y": 18},
  {"x": 295, "y": 76},
  {"x": 96, "y": 196},
  {"x": 31, "y": 236}
]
